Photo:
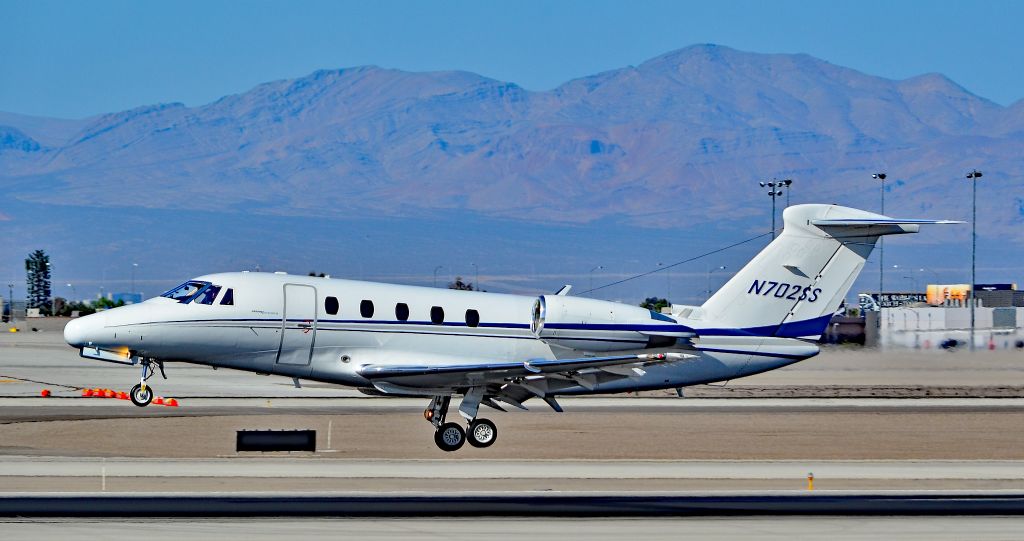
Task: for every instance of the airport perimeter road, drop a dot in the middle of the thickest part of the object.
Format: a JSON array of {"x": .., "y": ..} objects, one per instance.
[{"x": 537, "y": 529}]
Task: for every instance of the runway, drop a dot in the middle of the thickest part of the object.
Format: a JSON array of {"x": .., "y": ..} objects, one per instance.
[
  {"x": 926, "y": 528},
  {"x": 510, "y": 504},
  {"x": 747, "y": 442}
]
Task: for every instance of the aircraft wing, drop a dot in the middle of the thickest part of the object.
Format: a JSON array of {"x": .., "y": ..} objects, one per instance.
[{"x": 405, "y": 378}]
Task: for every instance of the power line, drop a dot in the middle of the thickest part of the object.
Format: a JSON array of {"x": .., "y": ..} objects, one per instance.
[{"x": 666, "y": 267}]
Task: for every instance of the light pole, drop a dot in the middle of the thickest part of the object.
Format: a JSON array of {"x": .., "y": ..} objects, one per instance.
[
  {"x": 881, "y": 240},
  {"x": 52, "y": 297},
  {"x": 934, "y": 274},
  {"x": 10, "y": 301},
  {"x": 774, "y": 190},
  {"x": 73, "y": 293},
  {"x": 437, "y": 268},
  {"x": 134, "y": 266},
  {"x": 668, "y": 285},
  {"x": 788, "y": 182},
  {"x": 709, "y": 271},
  {"x": 592, "y": 278},
  {"x": 973, "y": 176}
]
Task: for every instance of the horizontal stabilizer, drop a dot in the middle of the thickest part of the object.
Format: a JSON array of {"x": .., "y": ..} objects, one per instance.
[
  {"x": 874, "y": 225},
  {"x": 864, "y": 222}
]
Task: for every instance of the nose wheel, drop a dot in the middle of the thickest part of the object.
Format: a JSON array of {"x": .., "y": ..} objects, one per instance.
[{"x": 141, "y": 396}]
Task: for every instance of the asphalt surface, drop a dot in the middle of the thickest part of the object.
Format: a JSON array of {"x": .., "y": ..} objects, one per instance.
[
  {"x": 787, "y": 528},
  {"x": 720, "y": 438},
  {"x": 508, "y": 504}
]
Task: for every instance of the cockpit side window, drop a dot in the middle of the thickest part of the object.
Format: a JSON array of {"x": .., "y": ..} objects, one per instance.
[
  {"x": 229, "y": 297},
  {"x": 207, "y": 295},
  {"x": 185, "y": 292}
]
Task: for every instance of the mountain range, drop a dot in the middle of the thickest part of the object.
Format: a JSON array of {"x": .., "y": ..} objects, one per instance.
[{"x": 678, "y": 140}]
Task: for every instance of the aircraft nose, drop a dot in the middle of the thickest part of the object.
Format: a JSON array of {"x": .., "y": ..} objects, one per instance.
[{"x": 80, "y": 332}]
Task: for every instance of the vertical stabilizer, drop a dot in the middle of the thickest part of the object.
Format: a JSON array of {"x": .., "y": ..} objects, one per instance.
[{"x": 792, "y": 288}]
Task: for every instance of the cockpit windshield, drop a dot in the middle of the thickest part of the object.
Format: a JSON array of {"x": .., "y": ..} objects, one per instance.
[
  {"x": 187, "y": 291},
  {"x": 207, "y": 295}
]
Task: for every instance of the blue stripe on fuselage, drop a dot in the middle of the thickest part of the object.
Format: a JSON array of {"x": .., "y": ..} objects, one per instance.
[{"x": 795, "y": 329}]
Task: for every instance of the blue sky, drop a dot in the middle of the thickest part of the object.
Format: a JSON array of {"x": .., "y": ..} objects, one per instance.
[{"x": 75, "y": 59}]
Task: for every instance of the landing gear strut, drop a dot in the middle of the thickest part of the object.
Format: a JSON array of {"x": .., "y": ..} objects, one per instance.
[
  {"x": 141, "y": 393},
  {"x": 450, "y": 436}
]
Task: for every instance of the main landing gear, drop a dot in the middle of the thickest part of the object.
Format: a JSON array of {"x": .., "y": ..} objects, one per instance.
[
  {"x": 451, "y": 436},
  {"x": 142, "y": 394}
]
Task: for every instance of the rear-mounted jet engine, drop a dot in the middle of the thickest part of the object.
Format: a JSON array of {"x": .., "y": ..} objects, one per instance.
[{"x": 594, "y": 325}]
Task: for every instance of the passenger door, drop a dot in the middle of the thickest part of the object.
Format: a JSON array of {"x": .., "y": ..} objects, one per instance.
[{"x": 298, "y": 325}]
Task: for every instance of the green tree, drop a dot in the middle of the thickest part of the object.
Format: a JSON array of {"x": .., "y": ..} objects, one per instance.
[
  {"x": 105, "y": 303},
  {"x": 654, "y": 303},
  {"x": 37, "y": 269}
]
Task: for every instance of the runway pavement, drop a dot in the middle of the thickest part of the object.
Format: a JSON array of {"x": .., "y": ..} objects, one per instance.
[
  {"x": 926, "y": 528},
  {"x": 510, "y": 504},
  {"x": 741, "y": 437}
]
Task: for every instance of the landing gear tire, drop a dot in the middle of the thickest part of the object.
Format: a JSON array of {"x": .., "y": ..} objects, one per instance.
[
  {"x": 482, "y": 433},
  {"x": 141, "y": 398},
  {"x": 450, "y": 437}
]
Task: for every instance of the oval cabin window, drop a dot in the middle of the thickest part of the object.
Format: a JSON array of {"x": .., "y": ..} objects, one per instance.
[
  {"x": 331, "y": 305},
  {"x": 402, "y": 311},
  {"x": 366, "y": 308},
  {"x": 437, "y": 315}
]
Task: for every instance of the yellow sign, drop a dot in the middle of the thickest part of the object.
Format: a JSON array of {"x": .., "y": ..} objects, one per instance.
[{"x": 939, "y": 294}]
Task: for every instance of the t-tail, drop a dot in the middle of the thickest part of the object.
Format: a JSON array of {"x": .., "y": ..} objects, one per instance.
[{"x": 794, "y": 286}]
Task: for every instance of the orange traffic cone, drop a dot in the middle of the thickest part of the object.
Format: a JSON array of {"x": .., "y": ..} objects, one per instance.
[
  {"x": 171, "y": 402},
  {"x": 108, "y": 393},
  {"x": 45, "y": 393},
  {"x": 122, "y": 395},
  {"x": 86, "y": 392},
  {"x": 158, "y": 400}
]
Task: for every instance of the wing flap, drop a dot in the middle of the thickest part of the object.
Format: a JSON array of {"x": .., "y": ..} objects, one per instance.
[{"x": 526, "y": 368}]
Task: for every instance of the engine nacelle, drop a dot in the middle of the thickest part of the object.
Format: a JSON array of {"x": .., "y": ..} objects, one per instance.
[{"x": 594, "y": 325}]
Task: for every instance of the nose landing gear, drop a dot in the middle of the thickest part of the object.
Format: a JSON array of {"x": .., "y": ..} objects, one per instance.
[
  {"x": 450, "y": 436},
  {"x": 142, "y": 394}
]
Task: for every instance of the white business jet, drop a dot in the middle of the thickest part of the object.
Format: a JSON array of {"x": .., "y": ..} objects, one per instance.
[{"x": 494, "y": 349}]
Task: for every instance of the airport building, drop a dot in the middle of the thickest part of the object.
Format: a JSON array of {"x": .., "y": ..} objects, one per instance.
[{"x": 941, "y": 318}]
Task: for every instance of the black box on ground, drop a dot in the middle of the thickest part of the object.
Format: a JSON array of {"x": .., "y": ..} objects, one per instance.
[{"x": 276, "y": 440}]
